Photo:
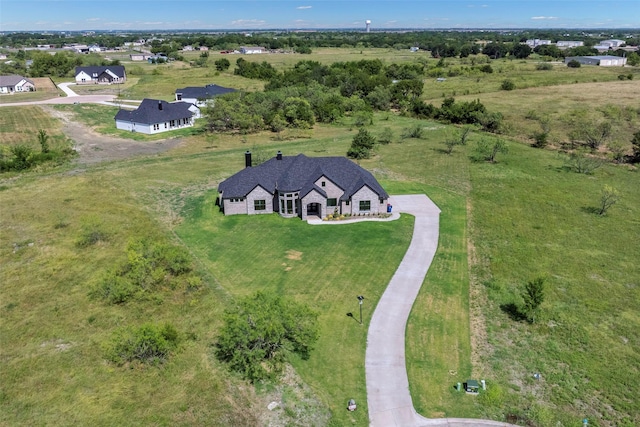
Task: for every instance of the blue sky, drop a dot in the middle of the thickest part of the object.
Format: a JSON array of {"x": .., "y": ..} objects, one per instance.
[{"x": 265, "y": 14}]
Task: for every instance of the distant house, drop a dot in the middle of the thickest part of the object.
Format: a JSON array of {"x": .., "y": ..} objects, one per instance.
[
  {"x": 155, "y": 116},
  {"x": 613, "y": 43},
  {"x": 569, "y": 43},
  {"x": 248, "y": 50},
  {"x": 203, "y": 48},
  {"x": 414, "y": 48},
  {"x": 3, "y": 56},
  {"x": 537, "y": 42},
  {"x": 139, "y": 56},
  {"x": 301, "y": 186},
  {"x": 15, "y": 83},
  {"x": 601, "y": 60},
  {"x": 200, "y": 95},
  {"x": 101, "y": 74}
]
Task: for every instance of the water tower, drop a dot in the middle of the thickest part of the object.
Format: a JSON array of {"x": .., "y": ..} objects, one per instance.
[{"x": 368, "y": 23}]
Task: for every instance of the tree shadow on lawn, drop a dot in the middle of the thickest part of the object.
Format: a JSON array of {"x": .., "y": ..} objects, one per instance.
[
  {"x": 591, "y": 210},
  {"x": 513, "y": 311}
]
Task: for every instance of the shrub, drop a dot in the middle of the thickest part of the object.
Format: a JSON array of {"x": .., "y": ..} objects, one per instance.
[
  {"x": 386, "y": 137},
  {"x": 581, "y": 162},
  {"x": 573, "y": 64},
  {"x": 147, "y": 344},
  {"x": 544, "y": 66},
  {"x": 507, "y": 85},
  {"x": 148, "y": 266},
  {"x": 413, "y": 132},
  {"x": 487, "y": 150}
]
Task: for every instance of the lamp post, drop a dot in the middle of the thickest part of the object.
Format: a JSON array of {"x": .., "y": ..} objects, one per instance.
[{"x": 360, "y": 298}]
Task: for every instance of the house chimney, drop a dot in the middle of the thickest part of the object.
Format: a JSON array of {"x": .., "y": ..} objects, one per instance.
[
  {"x": 279, "y": 155},
  {"x": 247, "y": 159},
  {"x": 159, "y": 105}
]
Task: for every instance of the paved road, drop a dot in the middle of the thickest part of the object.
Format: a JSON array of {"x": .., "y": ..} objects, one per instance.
[
  {"x": 71, "y": 98},
  {"x": 388, "y": 396}
]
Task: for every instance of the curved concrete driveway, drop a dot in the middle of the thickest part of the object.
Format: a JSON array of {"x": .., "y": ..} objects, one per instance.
[{"x": 388, "y": 396}]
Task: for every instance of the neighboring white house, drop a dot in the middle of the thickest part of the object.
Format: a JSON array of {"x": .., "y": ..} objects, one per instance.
[
  {"x": 537, "y": 42},
  {"x": 612, "y": 43},
  {"x": 155, "y": 116},
  {"x": 101, "y": 74},
  {"x": 601, "y": 60},
  {"x": 247, "y": 50},
  {"x": 569, "y": 43},
  {"x": 15, "y": 83}
]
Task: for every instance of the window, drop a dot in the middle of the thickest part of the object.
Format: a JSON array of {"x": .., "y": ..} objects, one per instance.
[
  {"x": 324, "y": 183},
  {"x": 156, "y": 126},
  {"x": 347, "y": 202},
  {"x": 236, "y": 200},
  {"x": 259, "y": 205},
  {"x": 332, "y": 202},
  {"x": 289, "y": 206},
  {"x": 172, "y": 123},
  {"x": 365, "y": 205}
]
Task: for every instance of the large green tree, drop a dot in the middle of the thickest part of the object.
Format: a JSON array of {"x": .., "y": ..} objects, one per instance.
[{"x": 261, "y": 332}]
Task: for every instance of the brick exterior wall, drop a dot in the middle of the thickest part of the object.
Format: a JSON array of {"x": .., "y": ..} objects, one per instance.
[
  {"x": 365, "y": 193},
  {"x": 259, "y": 193}
]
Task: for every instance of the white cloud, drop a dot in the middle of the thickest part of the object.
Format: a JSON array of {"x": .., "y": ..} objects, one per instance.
[
  {"x": 303, "y": 7},
  {"x": 541, "y": 18},
  {"x": 93, "y": 19}
]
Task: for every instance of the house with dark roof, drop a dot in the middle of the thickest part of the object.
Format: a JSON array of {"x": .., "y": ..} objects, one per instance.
[
  {"x": 103, "y": 74},
  {"x": 199, "y": 95},
  {"x": 155, "y": 116},
  {"x": 16, "y": 83},
  {"x": 301, "y": 186}
]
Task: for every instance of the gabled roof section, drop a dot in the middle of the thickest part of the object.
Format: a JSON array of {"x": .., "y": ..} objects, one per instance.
[
  {"x": 298, "y": 174},
  {"x": 12, "y": 80},
  {"x": 206, "y": 92},
  {"x": 152, "y": 111},
  {"x": 114, "y": 70}
]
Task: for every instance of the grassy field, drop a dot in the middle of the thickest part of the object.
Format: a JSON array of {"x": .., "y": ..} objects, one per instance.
[{"x": 502, "y": 225}]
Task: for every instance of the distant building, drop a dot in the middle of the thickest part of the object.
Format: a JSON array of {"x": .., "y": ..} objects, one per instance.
[
  {"x": 101, "y": 74},
  {"x": 248, "y": 50},
  {"x": 139, "y": 56},
  {"x": 199, "y": 95},
  {"x": 537, "y": 42},
  {"x": 601, "y": 60},
  {"x": 15, "y": 83},
  {"x": 569, "y": 43},
  {"x": 613, "y": 43},
  {"x": 414, "y": 48}
]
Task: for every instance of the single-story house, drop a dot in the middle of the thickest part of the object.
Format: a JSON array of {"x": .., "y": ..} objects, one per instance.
[
  {"x": 155, "y": 116},
  {"x": 139, "y": 56},
  {"x": 537, "y": 42},
  {"x": 247, "y": 50},
  {"x": 569, "y": 43},
  {"x": 301, "y": 186},
  {"x": 612, "y": 43},
  {"x": 15, "y": 83},
  {"x": 601, "y": 60},
  {"x": 103, "y": 74},
  {"x": 200, "y": 95}
]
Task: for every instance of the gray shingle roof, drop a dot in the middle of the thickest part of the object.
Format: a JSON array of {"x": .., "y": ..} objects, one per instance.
[
  {"x": 149, "y": 112},
  {"x": 298, "y": 174},
  {"x": 12, "y": 80},
  {"x": 118, "y": 70},
  {"x": 208, "y": 91}
]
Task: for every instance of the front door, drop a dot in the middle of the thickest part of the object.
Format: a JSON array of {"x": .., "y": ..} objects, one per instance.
[{"x": 313, "y": 209}]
